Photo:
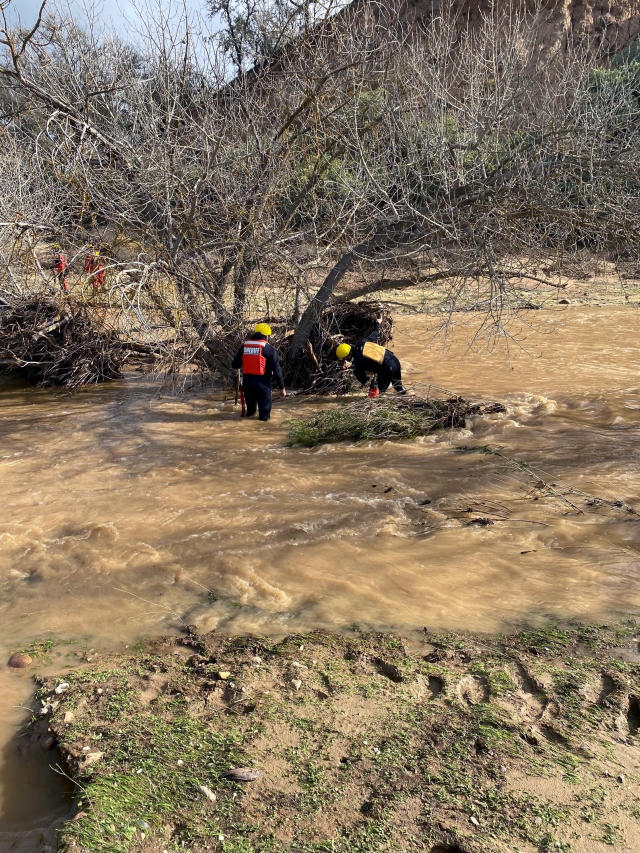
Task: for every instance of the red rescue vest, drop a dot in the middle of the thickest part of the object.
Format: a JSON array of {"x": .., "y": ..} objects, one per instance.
[{"x": 253, "y": 361}]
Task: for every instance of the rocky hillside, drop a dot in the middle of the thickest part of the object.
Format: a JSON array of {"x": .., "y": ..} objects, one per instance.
[{"x": 611, "y": 25}]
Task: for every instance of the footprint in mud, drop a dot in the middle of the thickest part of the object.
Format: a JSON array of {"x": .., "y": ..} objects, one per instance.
[
  {"x": 607, "y": 687},
  {"x": 435, "y": 686},
  {"x": 428, "y": 688},
  {"x": 473, "y": 689},
  {"x": 600, "y": 692},
  {"x": 446, "y": 848},
  {"x": 533, "y": 699},
  {"x": 535, "y": 735},
  {"x": 155, "y": 685},
  {"x": 633, "y": 715},
  {"x": 627, "y": 722},
  {"x": 553, "y": 735},
  {"x": 606, "y": 692},
  {"x": 389, "y": 670}
]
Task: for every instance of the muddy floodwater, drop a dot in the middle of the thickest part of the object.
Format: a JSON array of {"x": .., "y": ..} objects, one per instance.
[{"x": 127, "y": 511}]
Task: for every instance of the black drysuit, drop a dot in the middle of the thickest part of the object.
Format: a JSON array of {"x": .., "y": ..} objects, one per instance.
[
  {"x": 257, "y": 389},
  {"x": 389, "y": 372}
]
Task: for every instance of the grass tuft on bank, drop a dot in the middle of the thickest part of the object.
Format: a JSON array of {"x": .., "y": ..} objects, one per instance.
[
  {"x": 158, "y": 767},
  {"x": 384, "y": 418}
]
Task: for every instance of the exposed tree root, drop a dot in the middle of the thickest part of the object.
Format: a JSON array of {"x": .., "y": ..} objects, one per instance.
[{"x": 317, "y": 370}]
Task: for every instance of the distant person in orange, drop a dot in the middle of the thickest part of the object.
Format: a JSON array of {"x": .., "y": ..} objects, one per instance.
[
  {"x": 98, "y": 279},
  {"x": 94, "y": 266},
  {"x": 60, "y": 266}
]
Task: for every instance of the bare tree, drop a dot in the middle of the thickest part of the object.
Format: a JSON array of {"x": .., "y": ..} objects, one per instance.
[
  {"x": 461, "y": 153},
  {"x": 208, "y": 178}
]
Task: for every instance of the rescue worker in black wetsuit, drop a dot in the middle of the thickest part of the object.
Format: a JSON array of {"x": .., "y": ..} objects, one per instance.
[
  {"x": 259, "y": 363},
  {"x": 368, "y": 359}
]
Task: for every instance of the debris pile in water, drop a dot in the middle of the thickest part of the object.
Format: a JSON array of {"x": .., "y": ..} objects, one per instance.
[
  {"x": 402, "y": 417},
  {"x": 317, "y": 370},
  {"x": 51, "y": 342}
]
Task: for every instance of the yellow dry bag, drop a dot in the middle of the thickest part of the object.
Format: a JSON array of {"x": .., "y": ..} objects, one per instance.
[{"x": 373, "y": 351}]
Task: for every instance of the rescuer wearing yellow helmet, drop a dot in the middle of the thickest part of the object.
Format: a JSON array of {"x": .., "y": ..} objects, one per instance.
[
  {"x": 370, "y": 360},
  {"x": 259, "y": 363}
]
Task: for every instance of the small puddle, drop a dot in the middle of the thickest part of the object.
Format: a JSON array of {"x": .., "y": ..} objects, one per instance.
[{"x": 34, "y": 797}]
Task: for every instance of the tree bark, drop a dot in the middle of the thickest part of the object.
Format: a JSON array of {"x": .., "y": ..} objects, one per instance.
[{"x": 315, "y": 308}]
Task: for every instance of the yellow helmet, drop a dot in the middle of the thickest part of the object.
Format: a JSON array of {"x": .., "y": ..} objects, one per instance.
[
  {"x": 343, "y": 350},
  {"x": 263, "y": 329}
]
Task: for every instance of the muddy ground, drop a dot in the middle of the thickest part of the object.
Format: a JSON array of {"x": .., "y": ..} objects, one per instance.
[{"x": 361, "y": 742}]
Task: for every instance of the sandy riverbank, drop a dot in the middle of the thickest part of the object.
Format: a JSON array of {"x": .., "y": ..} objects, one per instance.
[{"x": 361, "y": 742}]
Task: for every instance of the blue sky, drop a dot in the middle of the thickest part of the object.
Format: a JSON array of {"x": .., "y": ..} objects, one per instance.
[{"x": 120, "y": 14}]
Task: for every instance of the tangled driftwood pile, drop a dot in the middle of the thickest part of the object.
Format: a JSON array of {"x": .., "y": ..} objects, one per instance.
[
  {"x": 51, "y": 342},
  {"x": 386, "y": 418},
  {"x": 317, "y": 370}
]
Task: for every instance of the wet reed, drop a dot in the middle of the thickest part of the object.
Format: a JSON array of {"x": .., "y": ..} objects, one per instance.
[{"x": 387, "y": 418}]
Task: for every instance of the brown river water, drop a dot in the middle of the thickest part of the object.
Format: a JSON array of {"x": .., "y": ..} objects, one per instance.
[{"x": 128, "y": 511}]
